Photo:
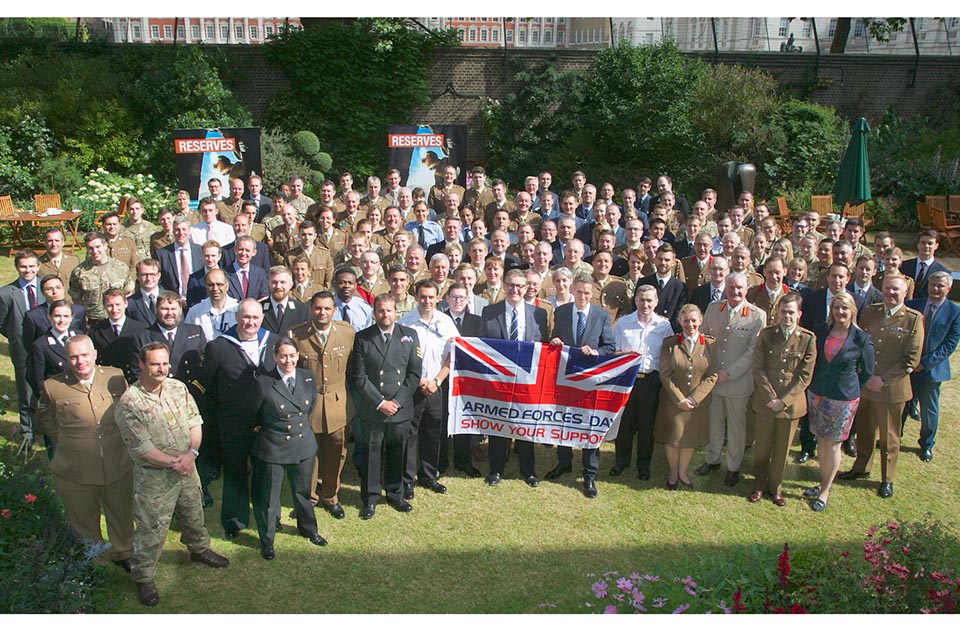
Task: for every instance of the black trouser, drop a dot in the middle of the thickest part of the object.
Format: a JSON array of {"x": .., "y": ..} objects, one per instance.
[
  {"x": 499, "y": 446},
  {"x": 267, "y": 483},
  {"x": 422, "y": 451},
  {"x": 235, "y": 446},
  {"x": 639, "y": 417},
  {"x": 382, "y": 447},
  {"x": 209, "y": 461},
  {"x": 590, "y": 458}
]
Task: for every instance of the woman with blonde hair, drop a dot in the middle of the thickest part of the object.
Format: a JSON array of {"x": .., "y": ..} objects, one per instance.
[{"x": 562, "y": 279}]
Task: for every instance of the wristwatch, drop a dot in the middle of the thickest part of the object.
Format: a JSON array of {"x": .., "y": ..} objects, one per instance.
[{"x": 196, "y": 454}]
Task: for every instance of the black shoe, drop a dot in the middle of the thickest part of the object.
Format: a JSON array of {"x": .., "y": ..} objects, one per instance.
[
  {"x": 367, "y": 511},
  {"x": 207, "y": 498},
  {"x": 316, "y": 539},
  {"x": 532, "y": 481},
  {"x": 926, "y": 455},
  {"x": 123, "y": 564},
  {"x": 558, "y": 471},
  {"x": 408, "y": 492},
  {"x": 266, "y": 551},
  {"x": 852, "y": 475},
  {"x": 885, "y": 490},
  {"x": 400, "y": 505},
  {"x": 215, "y": 474},
  {"x": 804, "y": 456},
  {"x": 231, "y": 534},
  {"x": 812, "y": 492},
  {"x": 849, "y": 447},
  {"x": 615, "y": 471},
  {"x": 589, "y": 489},
  {"x": 706, "y": 468},
  {"x": 433, "y": 485},
  {"x": 470, "y": 472},
  {"x": 644, "y": 473},
  {"x": 913, "y": 413},
  {"x": 292, "y": 515},
  {"x": 147, "y": 593},
  {"x": 493, "y": 479},
  {"x": 335, "y": 510},
  {"x": 210, "y": 558},
  {"x": 733, "y": 477},
  {"x": 818, "y": 505}
]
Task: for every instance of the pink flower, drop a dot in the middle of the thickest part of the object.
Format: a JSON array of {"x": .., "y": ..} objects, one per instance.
[
  {"x": 30, "y": 498},
  {"x": 682, "y": 608},
  {"x": 893, "y": 526},
  {"x": 610, "y": 609},
  {"x": 624, "y": 584},
  {"x": 600, "y": 589},
  {"x": 5, "y": 514}
]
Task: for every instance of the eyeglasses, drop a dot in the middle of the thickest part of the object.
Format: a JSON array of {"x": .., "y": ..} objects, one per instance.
[
  {"x": 210, "y": 285},
  {"x": 515, "y": 285},
  {"x": 458, "y": 298},
  {"x": 151, "y": 274}
]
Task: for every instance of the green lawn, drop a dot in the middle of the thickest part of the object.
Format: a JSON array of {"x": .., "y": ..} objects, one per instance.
[{"x": 512, "y": 548}]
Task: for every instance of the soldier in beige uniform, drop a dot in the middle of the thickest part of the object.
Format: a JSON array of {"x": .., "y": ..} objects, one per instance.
[
  {"x": 161, "y": 426},
  {"x": 285, "y": 237},
  {"x": 95, "y": 275},
  {"x": 736, "y": 324},
  {"x": 164, "y": 236},
  {"x": 321, "y": 264},
  {"x": 439, "y": 192},
  {"x": 373, "y": 197},
  {"x": 783, "y": 363},
  {"x": 303, "y": 288},
  {"x": 54, "y": 260},
  {"x": 121, "y": 246},
  {"x": 765, "y": 296},
  {"x": 897, "y": 333},
  {"x": 90, "y": 464},
  {"x": 139, "y": 229},
  {"x": 325, "y": 345}
]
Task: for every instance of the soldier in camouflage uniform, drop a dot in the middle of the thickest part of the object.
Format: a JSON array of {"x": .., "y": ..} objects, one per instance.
[
  {"x": 138, "y": 228},
  {"x": 95, "y": 275},
  {"x": 161, "y": 426}
]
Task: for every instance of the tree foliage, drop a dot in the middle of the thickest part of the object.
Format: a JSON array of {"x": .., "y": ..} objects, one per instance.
[{"x": 349, "y": 81}]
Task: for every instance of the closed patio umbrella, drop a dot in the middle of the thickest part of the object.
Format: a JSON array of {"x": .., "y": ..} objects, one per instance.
[{"x": 853, "y": 179}]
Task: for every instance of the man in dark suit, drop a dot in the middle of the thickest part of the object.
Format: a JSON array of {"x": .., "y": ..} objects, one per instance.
[
  {"x": 197, "y": 284},
  {"x": 384, "y": 371},
  {"x": 280, "y": 311},
  {"x": 16, "y": 299},
  {"x": 36, "y": 321},
  {"x": 142, "y": 305},
  {"x": 671, "y": 291},
  {"x": 231, "y": 364},
  {"x": 185, "y": 342},
  {"x": 585, "y": 326},
  {"x": 941, "y": 319},
  {"x": 861, "y": 284},
  {"x": 469, "y": 325},
  {"x": 513, "y": 319},
  {"x": 924, "y": 264},
  {"x": 712, "y": 291},
  {"x": 286, "y": 397},
  {"x": 246, "y": 280},
  {"x": 256, "y": 196},
  {"x": 180, "y": 259},
  {"x": 114, "y": 338},
  {"x": 241, "y": 226},
  {"x": 48, "y": 355}
]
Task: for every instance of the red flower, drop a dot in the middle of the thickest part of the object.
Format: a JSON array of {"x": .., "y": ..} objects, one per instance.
[
  {"x": 783, "y": 565},
  {"x": 5, "y": 514},
  {"x": 796, "y": 608},
  {"x": 30, "y": 498},
  {"x": 738, "y": 600}
]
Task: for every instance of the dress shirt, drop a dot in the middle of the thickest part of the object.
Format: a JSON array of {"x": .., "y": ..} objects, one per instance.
[
  {"x": 887, "y": 313},
  {"x": 213, "y": 322},
  {"x": 521, "y": 317},
  {"x": 432, "y": 232},
  {"x": 359, "y": 313},
  {"x": 117, "y": 327},
  {"x": 662, "y": 280},
  {"x": 861, "y": 290},
  {"x": 645, "y": 339},
  {"x": 26, "y": 295},
  {"x": 434, "y": 338},
  {"x": 221, "y": 231},
  {"x": 287, "y": 377}
]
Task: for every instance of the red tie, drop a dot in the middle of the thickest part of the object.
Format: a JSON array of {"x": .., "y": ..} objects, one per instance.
[
  {"x": 31, "y": 296},
  {"x": 243, "y": 283}
]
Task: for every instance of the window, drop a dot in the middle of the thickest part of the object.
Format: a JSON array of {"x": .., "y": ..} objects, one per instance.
[
  {"x": 952, "y": 23},
  {"x": 649, "y": 38},
  {"x": 483, "y": 19},
  {"x": 535, "y": 36},
  {"x": 832, "y": 28},
  {"x": 859, "y": 28},
  {"x": 167, "y": 32},
  {"x": 808, "y": 28},
  {"x": 756, "y": 27},
  {"x": 195, "y": 31},
  {"x": 238, "y": 29},
  {"x": 548, "y": 36},
  {"x": 483, "y": 35},
  {"x": 460, "y": 33},
  {"x": 522, "y": 37},
  {"x": 254, "y": 32},
  {"x": 784, "y": 26},
  {"x": 136, "y": 31},
  {"x": 473, "y": 35},
  {"x": 224, "y": 31},
  {"x": 181, "y": 33},
  {"x": 921, "y": 23},
  {"x": 209, "y": 31},
  {"x": 509, "y": 36},
  {"x": 560, "y": 36},
  {"x": 269, "y": 30},
  {"x": 561, "y": 20},
  {"x": 549, "y": 20},
  {"x": 155, "y": 31},
  {"x": 495, "y": 35}
]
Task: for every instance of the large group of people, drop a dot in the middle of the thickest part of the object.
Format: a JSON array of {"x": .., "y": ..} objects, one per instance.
[{"x": 254, "y": 338}]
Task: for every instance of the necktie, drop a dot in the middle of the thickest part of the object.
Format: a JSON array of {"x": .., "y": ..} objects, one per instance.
[
  {"x": 209, "y": 232},
  {"x": 31, "y": 296},
  {"x": 116, "y": 330},
  {"x": 932, "y": 309},
  {"x": 244, "y": 282},
  {"x": 716, "y": 294},
  {"x": 184, "y": 272},
  {"x": 323, "y": 339},
  {"x": 659, "y": 284},
  {"x": 169, "y": 335},
  {"x": 290, "y": 384},
  {"x": 344, "y": 313},
  {"x": 514, "y": 326},
  {"x": 581, "y": 327},
  {"x": 421, "y": 237},
  {"x": 153, "y": 304},
  {"x": 280, "y": 314},
  {"x": 386, "y": 338},
  {"x": 458, "y": 322},
  {"x": 921, "y": 270}
]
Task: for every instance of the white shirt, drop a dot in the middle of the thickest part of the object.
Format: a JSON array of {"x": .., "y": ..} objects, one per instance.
[
  {"x": 434, "y": 338},
  {"x": 213, "y": 322},
  {"x": 521, "y": 318},
  {"x": 285, "y": 377},
  {"x": 645, "y": 339},
  {"x": 222, "y": 233}
]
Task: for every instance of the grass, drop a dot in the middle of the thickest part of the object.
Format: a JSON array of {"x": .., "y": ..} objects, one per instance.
[{"x": 511, "y": 548}]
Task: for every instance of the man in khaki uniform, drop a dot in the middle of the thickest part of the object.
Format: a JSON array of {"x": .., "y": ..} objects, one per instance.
[
  {"x": 303, "y": 288},
  {"x": 121, "y": 246},
  {"x": 783, "y": 363},
  {"x": 766, "y": 295},
  {"x": 54, "y": 261},
  {"x": 99, "y": 272},
  {"x": 139, "y": 229},
  {"x": 439, "y": 192},
  {"x": 90, "y": 463},
  {"x": 284, "y": 237},
  {"x": 161, "y": 426},
  {"x": 321, "y": 264},
  {"x": 736, "y": 324},
  {"x": 325, "y": 345},
  {"x": 897, "y": 333}
]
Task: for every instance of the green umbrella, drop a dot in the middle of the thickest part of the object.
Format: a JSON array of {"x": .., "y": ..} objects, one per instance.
[{"x": 853, "y": 180}]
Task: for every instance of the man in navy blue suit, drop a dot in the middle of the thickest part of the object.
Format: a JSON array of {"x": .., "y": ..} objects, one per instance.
[
  {"x": 585, "y": 326},
  {"x": 924, "y": 264},
  {"x": 941, "y": 322},
  {"x": 179, "y": 259},
  {"x": 246, "y": 280}
]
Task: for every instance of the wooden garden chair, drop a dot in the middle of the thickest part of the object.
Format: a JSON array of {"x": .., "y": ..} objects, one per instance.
[
  {"x": 44, "y": 201},
  {"x": 949, "y": 233}
]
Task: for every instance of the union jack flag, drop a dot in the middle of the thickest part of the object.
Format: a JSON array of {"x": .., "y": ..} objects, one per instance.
[{"x": 539, "y": 392}]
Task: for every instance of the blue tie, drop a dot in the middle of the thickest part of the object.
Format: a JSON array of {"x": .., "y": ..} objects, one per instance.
[
  {"x": 581, "y": 327},
  {"x": 514, "y": 326}
]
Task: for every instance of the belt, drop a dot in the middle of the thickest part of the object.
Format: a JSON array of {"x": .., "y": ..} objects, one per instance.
[
  {"x": 143, "y": 466},
  {"x": 641, "y": 375}
]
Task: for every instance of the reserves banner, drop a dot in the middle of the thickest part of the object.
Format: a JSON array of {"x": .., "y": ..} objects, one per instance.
[{"x": 539, "y": 392}]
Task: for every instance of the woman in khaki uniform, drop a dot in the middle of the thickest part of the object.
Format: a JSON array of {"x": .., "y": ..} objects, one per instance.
[{"x": 687, "y": 377}]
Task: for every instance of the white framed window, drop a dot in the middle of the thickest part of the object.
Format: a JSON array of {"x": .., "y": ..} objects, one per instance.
[
  {"x": 473, "y": 35},
  {"x": 784, "y": 27},
  {"x": 483, "y": 35},
  {"x": 180, "y": 32},
  {"x": 522, "y": 37},
  {"x": 548, "y": 36},
  {"x": 136, "y": 31},
  {"x": 155, "y": 31},
  {"x": 832, "y": 29},
  {"x": 209, "y": 30},
  {"x": 859, "y": 28},
  {"x": 224, "y": 31},
  {"x": 756, "y": 27},
  {"x": 559, "y": 37},
  {"x": 167, "y": 32},
  {"x": 254, "y": 32},
  {"x": 509, "y": 36},
  {"x": 195, "y": 31},
  {"x": 461, "y": 34},
  {"x": 808, "y": 28},
  {"x": 495, "y": 35},
  {"x": 649, "y": 38},
  {"x": 535, "y": 36},
  {"x": 952, "y": 23},
  {"x": 238, "y": 29}
]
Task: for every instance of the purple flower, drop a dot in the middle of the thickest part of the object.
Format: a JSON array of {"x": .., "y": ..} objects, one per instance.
[
  {"x": 600, "y": 589},
  {"x": 624, "y": 584},
  {"x": 659, "y": 602},
  {"x": 682, "y": 608},
  {"x": 636, "y": 577},
  {"x": 610, "y": 609},
  {"x": 690, "y": 591},
  {"x": 607, "y": 574},
  {"x": 723, "y": 607},
  {"x": 617, "y": 596},
  {"x": 650, "y": 578}
]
